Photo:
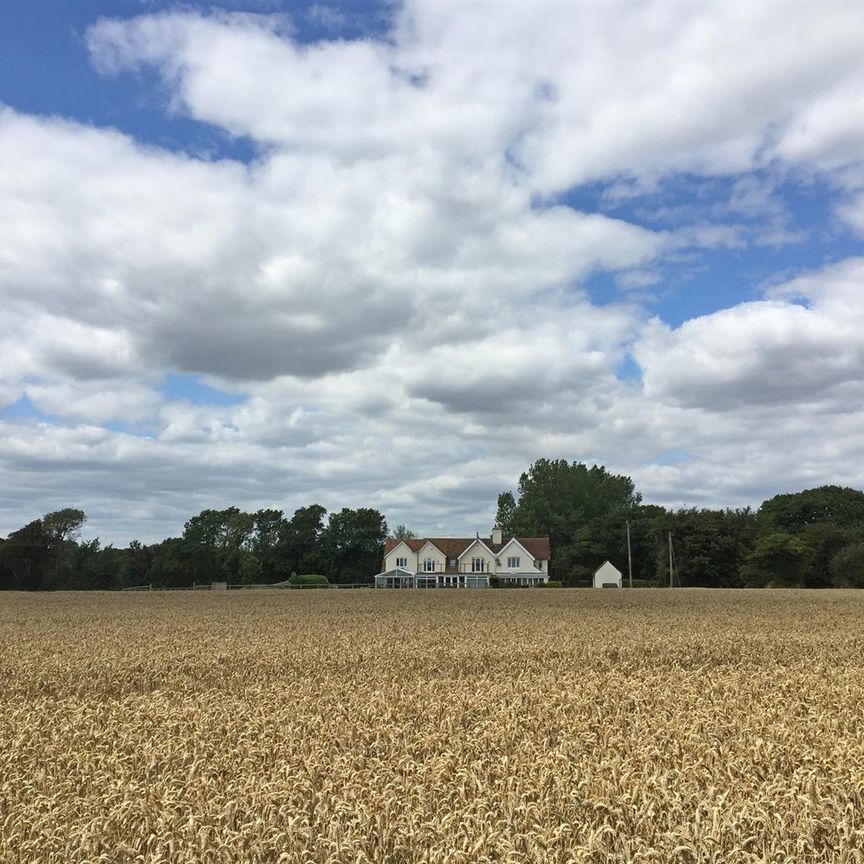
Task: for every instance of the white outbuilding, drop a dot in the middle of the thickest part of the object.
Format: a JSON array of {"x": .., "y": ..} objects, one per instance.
[{"x": 607, "y": 576}]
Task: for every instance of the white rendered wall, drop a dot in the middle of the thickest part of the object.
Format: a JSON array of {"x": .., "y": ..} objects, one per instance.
[
  {"x": 477, "y": 550},
  {"x": 401, "y": 551},
  {"x": 607, "y": 573},
  {"x": 433, "y": 552}
]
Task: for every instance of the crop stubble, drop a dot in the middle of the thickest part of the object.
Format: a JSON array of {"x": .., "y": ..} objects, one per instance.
[{"x": 449, "y": 726}]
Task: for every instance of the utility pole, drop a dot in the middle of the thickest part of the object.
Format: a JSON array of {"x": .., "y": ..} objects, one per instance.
[
  {"x": 670, "y": 560},
  {"x": 629, "y": 556}
]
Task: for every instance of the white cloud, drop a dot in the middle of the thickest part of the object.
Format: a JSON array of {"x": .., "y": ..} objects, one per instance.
[
  {"x": 640, "y": 90},
  {"x": 775, "y": 351},
  {"x": 394, "y": 284},
  {"x": 853, "y": 213}
]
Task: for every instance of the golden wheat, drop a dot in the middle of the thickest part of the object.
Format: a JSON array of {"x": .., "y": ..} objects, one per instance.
[{"x": 486, "y": 726}]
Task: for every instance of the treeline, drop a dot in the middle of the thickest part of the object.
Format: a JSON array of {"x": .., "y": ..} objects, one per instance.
[
  {"x": 216, "y": 546},
  {"x": 809, "y": 539},
  {"x": 812, "y": 539}
]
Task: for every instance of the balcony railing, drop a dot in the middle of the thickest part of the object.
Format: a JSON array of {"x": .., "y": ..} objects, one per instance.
[{"x": 484, "y": 569}]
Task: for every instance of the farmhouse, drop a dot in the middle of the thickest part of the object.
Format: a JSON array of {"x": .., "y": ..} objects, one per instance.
[{"x": 464, "y": 562}]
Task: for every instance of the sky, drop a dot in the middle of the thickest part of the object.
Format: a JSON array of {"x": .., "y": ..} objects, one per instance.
[{"x": 266, "y": 254}]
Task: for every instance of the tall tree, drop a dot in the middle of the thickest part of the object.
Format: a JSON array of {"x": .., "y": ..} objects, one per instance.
[
  {"x": 837, "y": 505},
  {"x": 558, "y": 498},
  {"x": 300, "y": 548},
  {"x": 847, "y": 566},
  {"x": 354, "y": 544},
  {"x": 505, "y": 515},
  {"x": 264, "y": 544},
  {"x": 777, "y": 559},
  {"x": 137, "y": 561},
  {"x": 63, "y": 526},
  {"x": 605, "y": 538},
  {"x": 25, "y": 557},
  {"x": 218, "y": 546},
  {"x": 710, "y": 546},
  {"x": 173, "y": 564},
  {"x": 34, "y": 555}
]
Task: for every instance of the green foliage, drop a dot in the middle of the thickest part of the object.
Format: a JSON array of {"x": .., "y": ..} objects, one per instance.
[
  {"x": 552, "y": 583},
  {"x": 170, "y": 565},
  {"x": 402, "y": 532},
  {"x": 300, "y": 546},
  {"x": 559, "y": 499},
  {"x": 32, "y": 558},
  {"x": 354, "y": 544},
  {"x": 835, "y": 505},
  {"x": 216, "y": 546},
  {"x": 498, "y": 582},
  {"x": 847, "y": 566},
  {"x": 809, "y": 539},
  {"x": 309, "y": 580},
  {"x": 605, "y": 538},
  {"x": 63, "y": 526},
  {"x": 505, "y": 516},
  {"x": 264, "y": 546},
  {"x": 778, "y": 559},
  {"x": 26, "y": 557},
  {"x": 823, "y": 542},
  {"x": 794, "y": 539},
  {"x": 710, "y": 546}
]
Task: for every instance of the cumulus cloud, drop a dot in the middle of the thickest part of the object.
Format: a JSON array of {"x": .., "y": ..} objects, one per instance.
[
  {"x": 759, "y": 353},
  {"x": 397, "y": 283},
  {"x": 637, "y": 91}
]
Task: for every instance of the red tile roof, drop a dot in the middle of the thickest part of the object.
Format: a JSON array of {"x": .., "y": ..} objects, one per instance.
[{"x": 453, "y": 547}]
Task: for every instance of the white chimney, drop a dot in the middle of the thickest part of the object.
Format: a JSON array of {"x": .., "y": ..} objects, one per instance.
[{"x": 496, "y": 535}]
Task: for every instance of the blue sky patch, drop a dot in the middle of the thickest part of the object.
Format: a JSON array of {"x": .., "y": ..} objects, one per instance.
[
  {"x": 182, "y": 387},
  {"x": 25, "y": 410},
  {"x": 385, "y": 245},
  {"x": 45, "y": 67}
]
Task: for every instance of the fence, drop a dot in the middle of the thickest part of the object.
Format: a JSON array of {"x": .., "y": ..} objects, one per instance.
[{"x": 222, "y": 586}]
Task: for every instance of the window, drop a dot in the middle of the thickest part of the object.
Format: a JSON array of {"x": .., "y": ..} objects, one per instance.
[
  {"x": 429, "y": 565},
  {"x": 513, "y": 562},
  {"x": 402, "y": 562},
  {"x": 477, "y": 565}
]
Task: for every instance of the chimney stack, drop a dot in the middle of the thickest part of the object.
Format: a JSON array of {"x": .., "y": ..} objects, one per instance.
[{"x": 496, "y": 535}]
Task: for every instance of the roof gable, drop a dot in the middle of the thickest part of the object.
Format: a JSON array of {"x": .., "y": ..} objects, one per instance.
[
  {"x": 434, "y": 545},
  {"x": 473, "y": 543},
  {"x": 397, "y": 545},
  {"x": 415, "y": 544},
  {"x": 514, "y": 541}
]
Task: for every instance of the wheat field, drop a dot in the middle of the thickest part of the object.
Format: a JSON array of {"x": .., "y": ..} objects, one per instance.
[{"x": 449, "y": 726}]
